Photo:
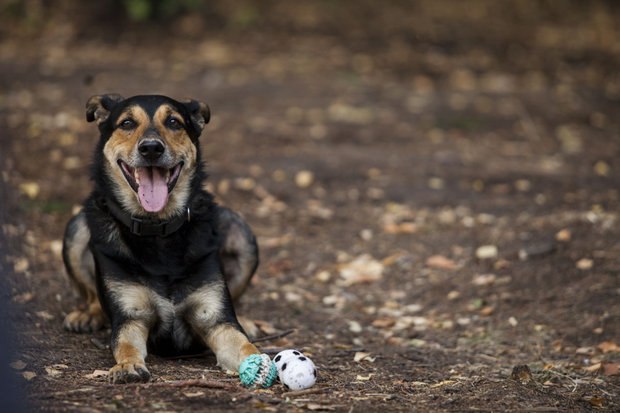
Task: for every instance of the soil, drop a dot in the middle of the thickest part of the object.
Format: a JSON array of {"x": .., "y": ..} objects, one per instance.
[{"x": 434, "y": 187}]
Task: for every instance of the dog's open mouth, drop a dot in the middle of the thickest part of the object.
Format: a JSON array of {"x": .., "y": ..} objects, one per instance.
[{"x": 151, "y": 183}]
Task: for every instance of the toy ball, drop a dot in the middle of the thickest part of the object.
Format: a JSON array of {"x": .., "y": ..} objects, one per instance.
[
  {"x": 295, "y": 370},
  {"x": 257, "y": 371}
]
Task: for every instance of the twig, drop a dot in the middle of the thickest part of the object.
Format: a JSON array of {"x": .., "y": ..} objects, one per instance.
[
  {"x": 274, "y": 336},
  {"x": 188, "y": 383},
  {"x": 303, "y": 392},
  {"x": 528, "y": 123}
]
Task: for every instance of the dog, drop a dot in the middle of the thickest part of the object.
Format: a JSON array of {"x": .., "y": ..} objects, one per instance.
[{"x": 150, "y": 252}]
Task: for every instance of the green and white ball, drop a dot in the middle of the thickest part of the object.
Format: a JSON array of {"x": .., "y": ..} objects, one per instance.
[{"x": 257, "y": 371}]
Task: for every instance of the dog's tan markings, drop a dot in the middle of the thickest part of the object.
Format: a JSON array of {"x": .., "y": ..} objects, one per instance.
[
  {"x": 203, "y": 308},
  {"x": 86, "y": 321},
  {"x": 129, "y": 351},
  {"x": 181, "y": 148},
  {"x": 142, "y": 307},
  {"x": 140, "y": 302},
  {"x": 82, "y": 275},
  {"x": 122, "y": 145},
  {"x": 80, "y": 258},
  {"x": 97, "y": 107},
  {"x": 230, "y": 346}
]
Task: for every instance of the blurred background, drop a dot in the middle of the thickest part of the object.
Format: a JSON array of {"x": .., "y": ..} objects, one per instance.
[{"x": 432, "y": 182}]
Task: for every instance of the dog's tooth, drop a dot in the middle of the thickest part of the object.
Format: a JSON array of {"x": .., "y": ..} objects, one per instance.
[
  {"x": 167, "y": 175},
  {"x": 136, "y": 176}
]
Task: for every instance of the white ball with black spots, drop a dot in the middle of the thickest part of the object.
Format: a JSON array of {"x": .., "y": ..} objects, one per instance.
[
  {"x": 295, "y": 370},
  {"x": 283, "y": 356}
]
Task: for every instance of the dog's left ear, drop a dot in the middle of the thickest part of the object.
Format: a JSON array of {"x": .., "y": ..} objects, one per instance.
[
  {"x": 99, "y": 107},
  {"x": 199, "y": 113}
]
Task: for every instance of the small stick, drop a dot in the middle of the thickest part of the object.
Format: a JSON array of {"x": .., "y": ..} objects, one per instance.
[
  {"x": 274, "y": 336},
  {"x": 302, "y": 392},
  {"x": 189, "y": 383}
]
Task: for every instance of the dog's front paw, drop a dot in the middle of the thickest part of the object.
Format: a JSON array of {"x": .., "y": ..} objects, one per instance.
[
  {"x": 129, "y": 373},
  {"x": 84, "y": 321}
]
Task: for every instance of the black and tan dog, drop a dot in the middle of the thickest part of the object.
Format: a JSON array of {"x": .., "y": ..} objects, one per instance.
[{"x": 151, "y": 252}]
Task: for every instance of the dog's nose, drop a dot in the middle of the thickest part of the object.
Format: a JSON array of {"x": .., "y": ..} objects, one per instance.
[{"x": 151, "y": 150}]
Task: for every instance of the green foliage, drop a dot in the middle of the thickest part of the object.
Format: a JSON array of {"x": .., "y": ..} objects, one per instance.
[{"x": 143, "y": 10}]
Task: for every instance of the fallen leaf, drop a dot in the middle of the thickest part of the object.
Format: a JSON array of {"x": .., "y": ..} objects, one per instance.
[
  {"x": 315, "y": 407},
  {"x": 611, "y": 369},
  {"x": 384, "y": 322},
  {"x": 595, "y": 401},
  {"x": 316, "y": 209},
  {"x": 29, "y": 375},
  {"x": 608, "y": 347},
  {"x": 584, "y": 264},
  {"x": 196, "y": 394},
  {"x": 443, "y": 383},
  {"x": 483, "y": 279},
  {"x": 45, "y": 315},
  {"x": 363, "y": 268},
  {"x": 21, "y": 265},
  {"x": 588, "y": 351},
  {"x": 97, "y": 373},
  {"x": 400, "y": 228},
  {"x": 52, "y": 371},
  {"x": 558, "y": 345},
  {"x": 439, "y": 261},
  {"x": 355, "y": 327},
  {"x": 30, "y": 189},
  {"x": 387, "y": 261},
  {"x": 18, "y": 365},
  {"x": 563, "y": 235},
  {"x": 361, "y": 356},
  {"x": 364, "y": 378},
  {"x": 485, "y": 252},
  {"x": 23, "y": 298},
  {"x": 593, "y": 368},
  {"x": 488, "y": 310}
]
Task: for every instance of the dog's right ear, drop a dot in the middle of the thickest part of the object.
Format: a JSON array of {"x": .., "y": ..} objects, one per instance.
[{"x": 98, "y": 107}]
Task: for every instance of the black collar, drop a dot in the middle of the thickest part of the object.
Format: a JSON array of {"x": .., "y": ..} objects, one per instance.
[{"x": 146, "y": 227}]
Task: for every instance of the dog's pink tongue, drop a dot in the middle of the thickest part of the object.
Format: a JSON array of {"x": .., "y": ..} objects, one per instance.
[{"x": 153, "y": 189}]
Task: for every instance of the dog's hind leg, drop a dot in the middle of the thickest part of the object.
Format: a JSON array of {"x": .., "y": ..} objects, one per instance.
[
  {"x": 238, "y": 255},
  {"x": 238, "y": 252},
  {"x": 80, "y": 267}
]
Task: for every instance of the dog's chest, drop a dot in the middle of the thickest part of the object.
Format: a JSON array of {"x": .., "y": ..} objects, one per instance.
[{"x": 166, "y": 316}]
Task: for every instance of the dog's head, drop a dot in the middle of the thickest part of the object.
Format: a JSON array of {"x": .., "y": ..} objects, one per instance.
[{"x": 149, "y": 150}]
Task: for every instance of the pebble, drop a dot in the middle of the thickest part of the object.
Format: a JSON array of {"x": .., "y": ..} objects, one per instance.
[
  {"x": 537, "y": 250},
  {"x": 585, "y": 264},
  {"x": 564, "y": 235},
  {"x": 304, "y": 179},
  {"x": 486, "y": 252}
]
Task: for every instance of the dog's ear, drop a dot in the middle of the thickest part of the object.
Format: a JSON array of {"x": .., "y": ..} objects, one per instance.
[
  {"x": 199, "y": 113},
  {"x": 98, "y": 107}
]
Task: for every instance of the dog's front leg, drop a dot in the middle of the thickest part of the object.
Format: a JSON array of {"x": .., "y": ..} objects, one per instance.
[
  {"x": 129, "y": 350},
  {"x": 133, "y": 312},
  {"x": 210, "y": 314},
  {"x": 230, "y": 346}
]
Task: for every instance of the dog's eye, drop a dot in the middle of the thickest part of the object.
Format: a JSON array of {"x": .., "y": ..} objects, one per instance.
[
  {"x": 127, "y": 124},
  {"x": 173, "y": 123}
]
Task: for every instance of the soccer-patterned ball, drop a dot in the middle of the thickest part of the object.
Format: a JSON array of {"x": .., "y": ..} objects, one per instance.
[{"x": 295, "y": 370}]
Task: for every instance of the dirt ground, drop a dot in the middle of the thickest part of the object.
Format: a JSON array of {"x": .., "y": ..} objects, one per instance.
[{"x": 434, "y": 186}]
